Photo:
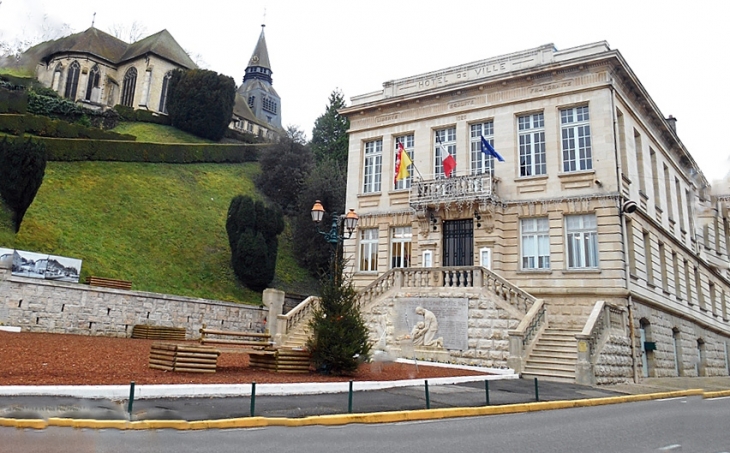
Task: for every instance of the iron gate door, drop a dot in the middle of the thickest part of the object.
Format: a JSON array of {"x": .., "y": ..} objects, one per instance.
[{"x": 458, "y": 242}]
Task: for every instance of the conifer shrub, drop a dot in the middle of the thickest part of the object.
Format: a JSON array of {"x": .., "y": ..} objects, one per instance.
[
  {"x": 201, "y": 102},
  {"x": 22, "y": 166},
  {"x": 252, "y": 229}
]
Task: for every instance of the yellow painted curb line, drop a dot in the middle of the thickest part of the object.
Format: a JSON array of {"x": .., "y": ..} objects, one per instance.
[{"x": 344, "y": 419}]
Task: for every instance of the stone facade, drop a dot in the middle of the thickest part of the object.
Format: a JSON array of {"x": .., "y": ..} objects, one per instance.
[
  {"x": 614, "y": 364},
  {"x": 488, "y": 321},
  {"x": 597, "y": 197},
  {"x": 42, "y": 306}
]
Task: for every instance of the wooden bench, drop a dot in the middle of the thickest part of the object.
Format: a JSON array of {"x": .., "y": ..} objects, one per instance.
[
  {"x": 242, "y": 342},
  {"x": 109, "y": 283}
]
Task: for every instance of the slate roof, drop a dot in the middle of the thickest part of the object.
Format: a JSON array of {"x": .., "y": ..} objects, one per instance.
[
  {"x": 260, "y": 56},
  {"x": 104, "y": 46},
  {"x": 242, "y": 110}
]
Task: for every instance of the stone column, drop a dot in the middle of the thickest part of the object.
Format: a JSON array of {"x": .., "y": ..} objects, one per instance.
[
  {"x": 584, "y": 369},
  {"x": 273, "y": 299},
  {"x": 515, "y": 351}
]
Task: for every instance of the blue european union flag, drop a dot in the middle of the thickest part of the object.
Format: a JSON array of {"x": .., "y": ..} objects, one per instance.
[{"x": 489, "y": 150}]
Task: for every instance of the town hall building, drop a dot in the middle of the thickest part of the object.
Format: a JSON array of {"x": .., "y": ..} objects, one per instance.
[{"x": 593, "y": 253}]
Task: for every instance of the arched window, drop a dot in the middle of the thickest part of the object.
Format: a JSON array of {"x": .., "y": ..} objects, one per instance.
[
  {"x": 93, "y": 84},
  {"x": 130, "y": 81},
  {"x": 163, "y": 94},
  {"x": 72, "y": 81},
  {"x": 57, "y": 74}
]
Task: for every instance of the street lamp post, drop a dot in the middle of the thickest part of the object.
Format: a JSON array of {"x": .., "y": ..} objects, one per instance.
[{"x": 336, "y": 234}]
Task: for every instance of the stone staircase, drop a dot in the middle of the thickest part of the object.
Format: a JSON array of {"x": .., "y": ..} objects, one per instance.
[
  {"x": 554, "y": 357},
  {"x": 298, "y": 336}
]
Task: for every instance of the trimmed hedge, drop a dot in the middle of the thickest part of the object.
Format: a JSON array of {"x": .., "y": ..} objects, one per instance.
[
  {"x": 13, "y": 101},
  {"x": 72, "y": 150},
  {"x": 46, "y": 127}
]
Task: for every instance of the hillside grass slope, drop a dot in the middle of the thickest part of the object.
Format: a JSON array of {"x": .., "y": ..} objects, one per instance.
[{"x": 162, "y": 226}]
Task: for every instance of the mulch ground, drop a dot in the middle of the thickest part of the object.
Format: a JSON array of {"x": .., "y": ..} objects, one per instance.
[{"x": 54, "y": 359}]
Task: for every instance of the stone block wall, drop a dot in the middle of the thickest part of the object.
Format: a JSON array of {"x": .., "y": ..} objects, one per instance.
[
  {"x": 57, "y": 307},
  {"x": 489, "y": 321},
  {"x": 614, "y": 364},
  {"x": 661, "y": 330}
]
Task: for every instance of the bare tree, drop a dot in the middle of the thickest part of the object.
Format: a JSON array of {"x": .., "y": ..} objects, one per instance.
[
  {"x": 35, "y": 30},
  {"x": 131, "y": 33}
]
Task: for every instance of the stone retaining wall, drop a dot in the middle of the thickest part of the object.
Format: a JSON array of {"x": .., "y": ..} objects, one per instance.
[
  {"x": 44, "y": 306},
  {"x": 614, "y": 364}
]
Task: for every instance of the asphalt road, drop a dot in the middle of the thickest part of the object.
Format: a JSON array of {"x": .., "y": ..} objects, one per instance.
[{"x": 682, "y": 424}]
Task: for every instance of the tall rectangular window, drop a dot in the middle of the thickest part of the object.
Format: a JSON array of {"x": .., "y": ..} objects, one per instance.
[
  {"x": 480, "y": 162},
  {"x": 576, "y": 139},
  {"x": 408, "y": 144},
  {"x": 622, "y": 143},
  {"x": 723, "y": 304},
  {"x": 630, "y": 246},
  {"x": 680, "y": 204},
  {"x": 638, "y": 146},
  {"x": 675, "y": 271},
  {"x": 400, "y": 247},
  {"x": 655, "y": 181},
  {"x": 687, "y": 283},
  {"x": 649, "y": 261},
  {"x": 700, "y": 293},
  {"x": 369, "y": 249},
  {"x": 373, "y": 166},
  {"x": 668, "y": 192},
  {"x": 663, "y": 268},
  {"x": 690, "y": 214},
  {"x": 582, "y": 241},
  {"x": 535, "y": 243},
  {"x": 713, "y": 299},
  {"x": 531, "y": 138},
  {"x": 447, "y": 138}
]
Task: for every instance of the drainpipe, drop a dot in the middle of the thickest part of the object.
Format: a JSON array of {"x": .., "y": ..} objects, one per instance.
[{"x": 622, "y": 223}]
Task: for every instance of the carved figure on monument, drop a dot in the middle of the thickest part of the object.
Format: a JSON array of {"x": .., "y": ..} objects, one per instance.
[{"x": 425, "y": 335}]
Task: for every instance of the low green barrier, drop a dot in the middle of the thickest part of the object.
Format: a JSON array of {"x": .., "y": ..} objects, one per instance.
[
  {"x": 44, "y": 126},
  {"x": 72, "y": 150}
]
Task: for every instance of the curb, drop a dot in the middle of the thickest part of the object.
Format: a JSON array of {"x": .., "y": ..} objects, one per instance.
[{"x": 344, "y": 419}]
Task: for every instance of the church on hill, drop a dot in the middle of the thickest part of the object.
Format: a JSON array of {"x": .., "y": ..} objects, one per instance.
[
  {"x": 256, "y": 99},
  {"x": 100, "y": 70}
]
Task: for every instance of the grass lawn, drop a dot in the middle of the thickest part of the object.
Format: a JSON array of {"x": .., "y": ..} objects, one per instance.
[
  {"x": 157, "y": 133},
  {"x": 162, "y": 226}
]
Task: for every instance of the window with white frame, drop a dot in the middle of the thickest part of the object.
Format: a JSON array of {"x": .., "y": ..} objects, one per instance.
[
  {"x": 447, "y": 138},
  {"x": 576, "y": 135},
  {"x": 582, "y": 241},
  {"x": 369, "y": 249},
  {"x": 373, "y": 166},
  {"x": 400, "y": 247},
  {"x": 481, "y": 163},
  {"x": 531, "y": 135},
  {"x": 427, "y": 260},
  {"x": 535, "y": 243},
  {"x": 408, "y": 142}
]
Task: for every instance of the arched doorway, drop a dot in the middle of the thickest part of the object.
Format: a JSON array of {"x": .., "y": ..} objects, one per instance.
[
  {"x": 647, "y": 348},
  {"x": 677, "y": 343}
]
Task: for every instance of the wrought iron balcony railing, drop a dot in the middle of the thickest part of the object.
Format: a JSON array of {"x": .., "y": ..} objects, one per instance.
[{"x": 457, "y": 189}]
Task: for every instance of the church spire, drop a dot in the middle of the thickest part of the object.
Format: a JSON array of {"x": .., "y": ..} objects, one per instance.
[{"x": 259, "y": 66}]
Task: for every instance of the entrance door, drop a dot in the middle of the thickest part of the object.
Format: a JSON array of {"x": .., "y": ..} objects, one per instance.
[
  {"x": 644, "y": 358},
  {"x": 458, "y": 242}
]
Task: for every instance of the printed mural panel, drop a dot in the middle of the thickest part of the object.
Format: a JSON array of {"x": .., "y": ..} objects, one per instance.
[{"x": 40, "y": 265}]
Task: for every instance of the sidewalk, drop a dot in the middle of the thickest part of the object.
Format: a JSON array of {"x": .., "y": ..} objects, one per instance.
[{"x": 409, "y": 398}]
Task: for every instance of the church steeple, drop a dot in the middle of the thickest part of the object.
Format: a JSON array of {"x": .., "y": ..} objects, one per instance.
[{"x": 259, "y": 66}]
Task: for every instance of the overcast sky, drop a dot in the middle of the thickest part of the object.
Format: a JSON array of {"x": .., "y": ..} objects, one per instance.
[{"x": 674, "y": 47}]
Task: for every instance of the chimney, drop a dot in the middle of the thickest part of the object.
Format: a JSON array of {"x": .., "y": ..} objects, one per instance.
[{"x": 672, "y": 123}]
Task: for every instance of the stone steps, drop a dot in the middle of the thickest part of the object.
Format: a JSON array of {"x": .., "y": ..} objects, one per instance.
[{"x": 554, "y": 357}]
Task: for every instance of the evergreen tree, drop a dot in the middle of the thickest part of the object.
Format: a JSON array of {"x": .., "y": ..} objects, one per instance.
[
  {"x": 284, "y": 168},
  {"x": 326, "y": 183},
  {"x": 201, "y": 102},
  {"x": 339, "y": 341},
  {"x": 329, "y": 136},
  {"x": 22, "y": 167},
  {"x": 252, "y": 229}
]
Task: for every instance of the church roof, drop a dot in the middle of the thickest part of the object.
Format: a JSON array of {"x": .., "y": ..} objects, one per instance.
[
  {"x": 90, "y": 41},
  {"x": 163, "y": 45},
  {"x": 260, "y": 55},
  {"x": 259, "y": 84},
  {"x": 102, "y": 45}
]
